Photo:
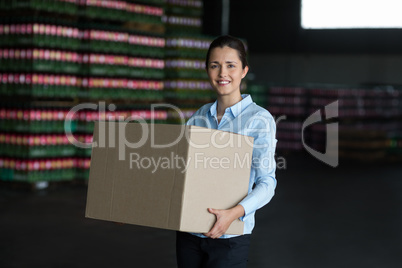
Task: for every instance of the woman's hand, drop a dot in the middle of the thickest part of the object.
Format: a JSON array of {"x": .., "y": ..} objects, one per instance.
[{"x": 224, "y": 217}]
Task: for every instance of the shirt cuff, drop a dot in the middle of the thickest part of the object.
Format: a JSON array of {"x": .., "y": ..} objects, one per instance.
[{"x": 246, "y": 210}]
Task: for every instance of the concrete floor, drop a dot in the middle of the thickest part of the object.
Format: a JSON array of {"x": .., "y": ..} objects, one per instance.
[{"x": 321, "y": 217}]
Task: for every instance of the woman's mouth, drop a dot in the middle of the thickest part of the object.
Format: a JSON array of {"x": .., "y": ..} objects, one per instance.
[{"x": 223, "y": 82}]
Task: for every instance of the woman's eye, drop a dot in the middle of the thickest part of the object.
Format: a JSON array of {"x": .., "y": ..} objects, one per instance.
[
  {"x": 213, "y": 66},
  {"x": 231, "y": 66}
]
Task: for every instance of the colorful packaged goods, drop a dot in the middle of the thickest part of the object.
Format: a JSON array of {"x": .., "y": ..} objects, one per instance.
[
  {"x": 124, "y": 89},
  {"x": 40, "y": 145},
  {"x": 86, "y": 119},
  {"x": 123, "y": 11},
  {"x": 39, "y": 85},
  {"x": 185, "y": 68},
  {"x": 65, "y": 52},
  {"x": 33, "y": 121},
  {"x": 37, "y": 169}
]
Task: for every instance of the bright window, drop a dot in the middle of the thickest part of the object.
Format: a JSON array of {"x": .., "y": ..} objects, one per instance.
[{"x": 347, "y": 14}]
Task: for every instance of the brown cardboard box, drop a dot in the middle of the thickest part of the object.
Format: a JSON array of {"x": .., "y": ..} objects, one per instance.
[{"x": 169, "y": 178}]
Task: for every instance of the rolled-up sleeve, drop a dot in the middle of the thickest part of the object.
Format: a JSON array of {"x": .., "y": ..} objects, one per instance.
[{"x": 262, "y": 176}]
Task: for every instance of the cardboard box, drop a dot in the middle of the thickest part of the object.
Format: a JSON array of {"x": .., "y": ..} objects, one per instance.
[{"x": 171, "y": 179}]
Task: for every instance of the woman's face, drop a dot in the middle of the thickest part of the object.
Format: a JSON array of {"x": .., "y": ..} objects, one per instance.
[{"x": 225, "y": 71}]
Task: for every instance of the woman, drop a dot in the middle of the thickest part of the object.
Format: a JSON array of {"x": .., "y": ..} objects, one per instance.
[{"x": 226, "y": 65}]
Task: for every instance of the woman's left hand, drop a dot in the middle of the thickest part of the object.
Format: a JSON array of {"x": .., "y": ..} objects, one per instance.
[{"x": 224, "y": 217}]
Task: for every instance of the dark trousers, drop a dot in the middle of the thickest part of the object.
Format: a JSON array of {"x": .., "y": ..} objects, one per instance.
[{"x": 196, "y": 252}]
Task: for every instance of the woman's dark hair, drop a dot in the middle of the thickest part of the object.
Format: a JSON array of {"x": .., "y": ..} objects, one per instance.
[{"x": 228, "y": 41}]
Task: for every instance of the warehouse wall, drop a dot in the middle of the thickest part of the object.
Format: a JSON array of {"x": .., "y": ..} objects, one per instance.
[
  {"x": 282, "y": 52},
  {"x": 326, "y": 68},
  {"x": 274, "y": 27}
]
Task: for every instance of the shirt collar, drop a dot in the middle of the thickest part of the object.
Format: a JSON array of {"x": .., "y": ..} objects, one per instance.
[{"x": 235, "y": 109}]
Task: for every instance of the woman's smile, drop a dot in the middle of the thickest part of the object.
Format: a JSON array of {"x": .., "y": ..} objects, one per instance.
[{"x": 223, "y": 82}]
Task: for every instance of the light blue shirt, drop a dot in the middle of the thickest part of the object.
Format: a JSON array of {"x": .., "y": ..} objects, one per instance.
[{"x": 247, "y": 118}]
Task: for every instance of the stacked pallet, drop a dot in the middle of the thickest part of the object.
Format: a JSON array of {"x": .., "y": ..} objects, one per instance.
[
  {"x": 289, "y": 106},
  {"x": 368, "y": 119},
  {"x": 186, "y": 83},
  {"x": 57, "y": 54}
]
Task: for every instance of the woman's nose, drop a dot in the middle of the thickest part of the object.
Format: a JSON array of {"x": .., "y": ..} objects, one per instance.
[{"x": 222, "y": 72}]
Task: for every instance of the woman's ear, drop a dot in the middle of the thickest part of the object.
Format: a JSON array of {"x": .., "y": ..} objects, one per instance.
[{"x": 245, "y": 71}]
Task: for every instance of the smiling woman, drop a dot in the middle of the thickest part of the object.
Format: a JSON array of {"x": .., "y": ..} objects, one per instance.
[
  {"x": 225, "y": 72},
  {"x": 226, "y": 66}
]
